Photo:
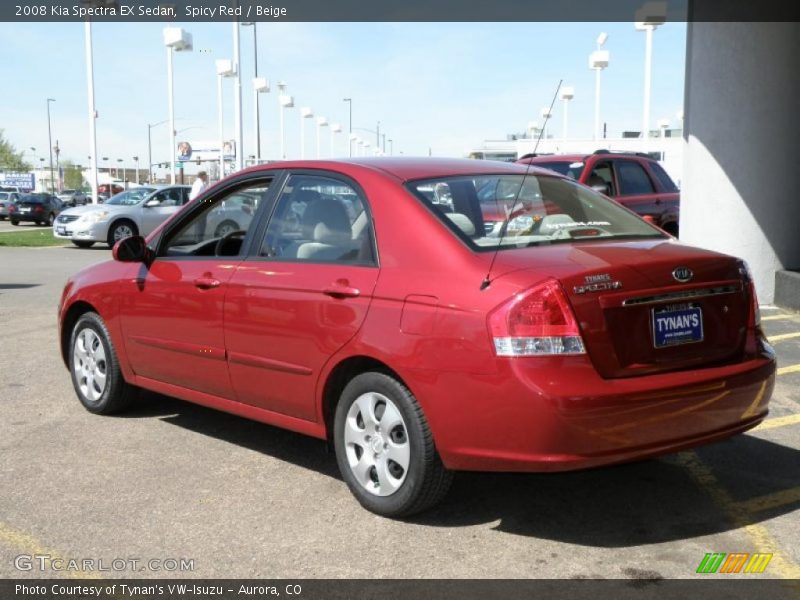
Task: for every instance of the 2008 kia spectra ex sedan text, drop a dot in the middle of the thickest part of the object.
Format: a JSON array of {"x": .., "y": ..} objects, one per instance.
[{"x": 368, "y": 303}]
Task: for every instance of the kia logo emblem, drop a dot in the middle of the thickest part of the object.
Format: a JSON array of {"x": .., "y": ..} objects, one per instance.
[{"x": 682, "y": 274}]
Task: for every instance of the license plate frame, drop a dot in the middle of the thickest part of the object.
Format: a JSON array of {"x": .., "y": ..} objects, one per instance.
[
  {"x": 61, "y": 230},
  {"x": 674, "y": 325}
]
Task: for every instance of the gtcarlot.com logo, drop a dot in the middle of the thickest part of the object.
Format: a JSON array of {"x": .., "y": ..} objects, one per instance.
[
  {"x": 47, "y": 562},
  {"x": 737, "y": 562}
]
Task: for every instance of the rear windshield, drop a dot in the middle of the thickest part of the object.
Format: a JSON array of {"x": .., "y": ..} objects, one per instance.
[
  {"x": 516, "y": 211},
  {"x": 568, "y": 168},
  {"x": 33, "y": 199}
]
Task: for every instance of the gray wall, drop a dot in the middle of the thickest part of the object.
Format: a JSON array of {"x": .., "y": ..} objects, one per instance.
[{"x": 741, "y": 174}]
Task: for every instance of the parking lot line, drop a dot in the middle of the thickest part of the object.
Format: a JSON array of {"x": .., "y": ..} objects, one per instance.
[
  {"x": 778, "y": 317},
  {"x": 769, "y": 501},
  {"x": 759, "y": 535},
  {"x": 777, "y": 422},
  {"x": 783, "y": 336},
  {"x": 789, "y": 369},
  {"x": 28, "y": 544}
]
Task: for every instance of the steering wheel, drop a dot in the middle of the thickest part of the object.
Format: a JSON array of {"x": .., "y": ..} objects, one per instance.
[{"x": 226, "y": 238}]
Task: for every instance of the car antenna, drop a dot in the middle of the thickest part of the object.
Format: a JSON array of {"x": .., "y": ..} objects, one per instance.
[{"x": 486, "y": 280}]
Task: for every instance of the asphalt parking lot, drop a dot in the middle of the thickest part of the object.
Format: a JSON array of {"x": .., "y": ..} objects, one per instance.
[{"x": 241, "y": 499}]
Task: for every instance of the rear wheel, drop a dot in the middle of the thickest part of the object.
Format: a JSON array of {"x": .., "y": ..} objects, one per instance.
[
  {"x": 14, "y": 223},
  {"x": 121, "y": 230},
  {"x": 385, "y": 449},
  {"x": 83, "y": 244},
  {"x": 225, "y": 228},
  {"x": 94, "y": 367},
  {"x": 671, "y": 228}
]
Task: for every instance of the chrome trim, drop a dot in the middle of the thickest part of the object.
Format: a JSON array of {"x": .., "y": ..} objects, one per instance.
[{"x": 684, "y": 295}]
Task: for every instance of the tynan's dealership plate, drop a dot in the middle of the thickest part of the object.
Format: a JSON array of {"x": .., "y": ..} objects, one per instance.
[{"x": 677, "y": 324}]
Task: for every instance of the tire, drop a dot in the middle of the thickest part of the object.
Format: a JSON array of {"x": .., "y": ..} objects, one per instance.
[
  {"x": 118, "y": 230},
  {"x": 91, "y": 353},
  {"x": 82, "y": 244},
  {"x": 378, "y": 482},
  {"x": 671, "y": 228},
  {"x": 51, "y": 218},
  {"x": 225, "y": 228},
  {"x": 14, "y": 223}
]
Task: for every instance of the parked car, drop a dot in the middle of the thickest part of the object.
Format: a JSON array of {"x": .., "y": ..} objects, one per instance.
[
  {"x": 135, "y": 212},
  {"x": 417, "y": 342},
  {"x": 40, "y": 208},
  {"x": 73, "y": 198},
  {"x": 6, "y": 200},
  {"x": 635, "y": 180}
]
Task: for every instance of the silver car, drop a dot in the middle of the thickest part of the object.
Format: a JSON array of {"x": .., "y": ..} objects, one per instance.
[
  {"x": 137, "y": 211},
  {"x": 6, "y": 200}
]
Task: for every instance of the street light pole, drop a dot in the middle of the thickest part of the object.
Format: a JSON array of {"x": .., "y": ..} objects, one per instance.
[
  {"x": 256, "y": 91},
  {"x": 350, "y": 131},
  {"x": 391, "y": 148},
  {"x": 648, "y": 18},
  {"x": 224, "y": 69},
  {"x": 598, "y": 60},
  {"x": 567, "y": 94},
  {"x": 305, "y": 113},
  {"x": 136, "y": 160},
  {"x": 237, "y": 115},
  {"x": 175, "y": 39},
  {"x": 50, "y": 141}
]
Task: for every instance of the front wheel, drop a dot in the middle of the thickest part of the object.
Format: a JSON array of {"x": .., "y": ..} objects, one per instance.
[
  {"x": 385, "y": 448},
  {"x": 14, "y": 223},
  {"x": 121, "y": 230},
  {"x": 94, "y": 367}
]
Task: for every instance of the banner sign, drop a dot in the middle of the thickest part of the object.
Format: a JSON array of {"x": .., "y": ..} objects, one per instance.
[
  {"x": 24, "y": 181},
  {"x": 204, "y": 150}
]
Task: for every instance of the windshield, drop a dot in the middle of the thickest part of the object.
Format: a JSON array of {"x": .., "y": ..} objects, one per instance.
[
  {"x": 487, "y": 211},
  {"x": 130, "y": 197},
  {"x": 4, "y": 195}
]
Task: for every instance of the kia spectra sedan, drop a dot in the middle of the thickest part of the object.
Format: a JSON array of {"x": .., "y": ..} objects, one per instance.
[{"x": 357, "y": 308}]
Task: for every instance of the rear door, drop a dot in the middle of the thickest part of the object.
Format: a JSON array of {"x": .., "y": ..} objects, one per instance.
[
  {"x": 302, "y": 294},
  {"x": 636, "y": 189}
]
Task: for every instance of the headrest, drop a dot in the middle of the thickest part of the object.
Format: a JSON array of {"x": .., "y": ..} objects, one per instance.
[
  {"x": 326, "y": 221},
  {"x": 462, "y": 222}
]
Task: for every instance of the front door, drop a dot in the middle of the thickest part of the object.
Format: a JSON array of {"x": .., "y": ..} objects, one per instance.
[
  {"x": 172, "y": 316},
  {"x": 161, "y": 206},
  {"x": 302, "y": 295}
]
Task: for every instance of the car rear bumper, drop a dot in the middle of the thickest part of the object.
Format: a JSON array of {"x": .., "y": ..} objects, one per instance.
[
  {"x": 30, "y": 217},
  {"x": 560, "y": 415}
]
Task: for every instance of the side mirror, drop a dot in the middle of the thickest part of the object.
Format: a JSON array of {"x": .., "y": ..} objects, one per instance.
[
  {"x": 602, "y": 188},
  {"x": 131, "y": 249},
  {"x": 152, "y": 202}
]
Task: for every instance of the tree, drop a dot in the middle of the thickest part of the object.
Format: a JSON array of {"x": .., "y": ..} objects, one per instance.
[
  {"x": 10, "y": 159},
  {"x": 73, "y": 176}
]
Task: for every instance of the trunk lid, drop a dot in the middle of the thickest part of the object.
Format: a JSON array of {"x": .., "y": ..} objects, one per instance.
[{"x": 635, "y": 316}]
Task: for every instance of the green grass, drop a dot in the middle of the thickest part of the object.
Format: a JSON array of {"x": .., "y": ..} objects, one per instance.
[{"x": 37, "y": 237}]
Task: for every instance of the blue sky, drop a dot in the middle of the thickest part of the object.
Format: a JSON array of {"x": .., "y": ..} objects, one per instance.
[{"x": 447, "y": 86}]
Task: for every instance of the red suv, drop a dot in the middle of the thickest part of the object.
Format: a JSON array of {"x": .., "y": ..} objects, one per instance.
[
  {"x": 366, "y": 303},
  {"x": 635, "y": 180}
]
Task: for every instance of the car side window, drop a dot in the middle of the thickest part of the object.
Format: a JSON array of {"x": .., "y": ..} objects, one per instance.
[
  {"x": 218, "y": 227},
  {"x": 601, "y": 175},
  {"x": 632, "y": 178},
  {"x": 664, "y": 179},
  {"x": 322, "y": 220}
]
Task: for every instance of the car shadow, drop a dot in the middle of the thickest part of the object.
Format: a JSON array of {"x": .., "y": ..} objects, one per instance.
[
  {"x": 647, "y": 502},
  {"x": 18, "y": 286}
]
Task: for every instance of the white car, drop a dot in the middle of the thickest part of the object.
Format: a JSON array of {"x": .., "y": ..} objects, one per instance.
[{"x": 136, "y": 211}]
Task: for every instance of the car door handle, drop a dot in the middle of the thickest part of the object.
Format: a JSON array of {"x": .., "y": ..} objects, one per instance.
[
  {"x": 206, "y": 283},
  {"x": 341, "y": 291}
]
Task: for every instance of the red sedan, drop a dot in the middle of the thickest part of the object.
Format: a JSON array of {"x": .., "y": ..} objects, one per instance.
[{"x": 368, "y": 303}]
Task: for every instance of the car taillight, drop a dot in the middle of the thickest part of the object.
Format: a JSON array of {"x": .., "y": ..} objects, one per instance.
[
  {"x": 754, "y": 319},
  {"x": 536, "y": 322},
  {"x": 39, "y": 208},
  {"x": 12, "y": 208}
]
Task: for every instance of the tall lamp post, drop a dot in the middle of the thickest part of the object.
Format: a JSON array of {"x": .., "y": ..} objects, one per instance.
[
  {"x": 335, "y": 128},
  {"x": 237, "y": 95},
  {"x": 258, "y": 82},
  {"x": 260, "y": 86},
  {"x": 50, "y": 141},
  {"x": 285, "y": 101},
  {"x": 351, "y": 139},
  {"x": 136, "y": 160},
  {"x": 321, "y": 122},
  {"x": 305, "y": 113},
  {"x": 648, "y": 18},
  {"x": 663, "y": 125},
  {"x": 177, "y": 40},
  {"x": 546, "y": 114},
  {"x": 350, "y": 123},
  {"x": 224, "y": 69},
  {"x": 567, "y": 94},
  {"x": 92, "y": 111},
  {"x": 598, "y": 60},
  {"x": 391, "y": 147}
]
